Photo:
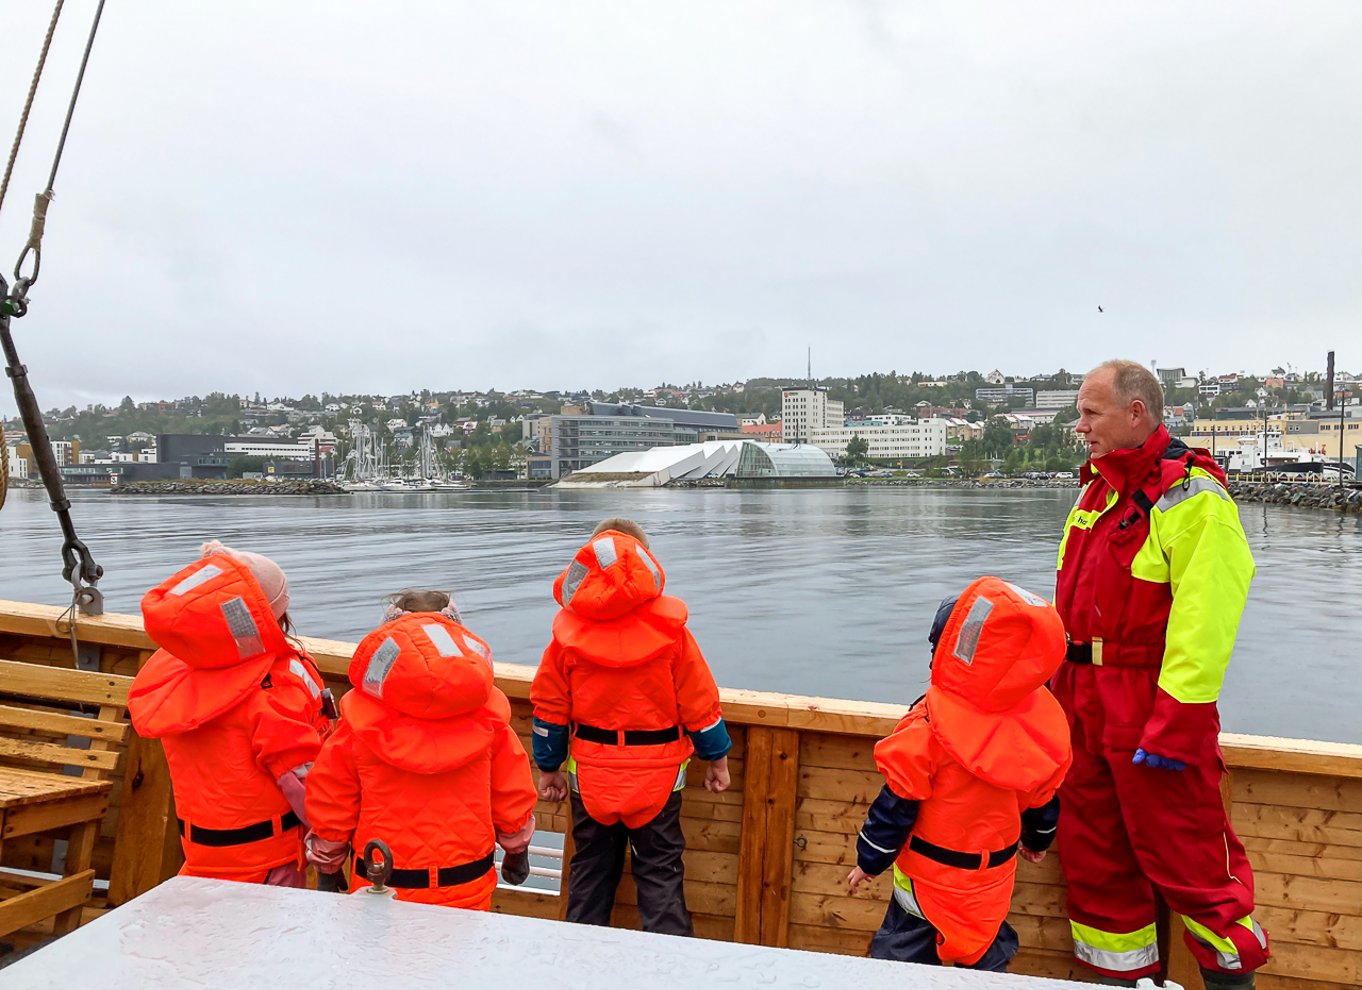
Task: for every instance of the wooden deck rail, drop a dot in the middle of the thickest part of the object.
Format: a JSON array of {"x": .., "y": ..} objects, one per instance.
[{"x": 766, "y": 860}]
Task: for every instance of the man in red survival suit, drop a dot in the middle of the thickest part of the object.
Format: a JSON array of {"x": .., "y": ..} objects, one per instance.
[{"x": 1154, "y": 571}]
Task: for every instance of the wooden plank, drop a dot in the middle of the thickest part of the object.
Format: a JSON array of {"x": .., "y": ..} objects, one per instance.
[
  {"x": 33, "y": 818},
  {"x": 721, "y": 837},
  {"x": 19, "y": 787},
  {"x": 702, "y": 804},
  {"x": 819, "y": 749},
  {"x": 839, "y": 940},
  {"x": 1294, "y": 790},
  {"x": 527, "y": 903},
  {"x": 1306, "y": 756},
  {"x": 1308, "y": 962},
  {"x": 1326, "y": 867},
  {"x": 1309, "y": 893},
  {"x": 1051, "y": 964},
  {"x": 778, "y": 859},
  {"x": 56, "y": 756},
  {"x": 1336, "y": 828},
  {"x": 833, "y": 911},
  {"x": 45, "y": 901},
  {"x": 1274, "y": 981},
  {"x": 62, "y": 724},
  {"x": 747, "y": 911},
  {"x": 147, "y": 849},
  {"x": 30, "y": 680},
  {"x": 1330, "y": 931},
  {"x": 1297, "y": 847},
  {"x": 48, "y": 622},
  {"x": 845, "y": 786},
  {"x": 80, "y": 844}
]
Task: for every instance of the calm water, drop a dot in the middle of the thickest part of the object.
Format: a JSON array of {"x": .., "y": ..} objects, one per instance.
[{"x": 825, "y": 592}]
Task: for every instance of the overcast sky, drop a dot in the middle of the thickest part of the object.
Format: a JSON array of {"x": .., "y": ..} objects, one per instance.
[{"x": 290, "y": 197}]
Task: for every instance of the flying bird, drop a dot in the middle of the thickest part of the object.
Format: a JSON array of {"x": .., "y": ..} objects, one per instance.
[{"x": 1099, "y": 309}]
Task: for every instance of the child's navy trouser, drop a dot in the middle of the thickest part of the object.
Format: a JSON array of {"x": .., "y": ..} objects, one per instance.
[
  {"x": 905, "y": 937},
  {"x": 598, "y": 862}
]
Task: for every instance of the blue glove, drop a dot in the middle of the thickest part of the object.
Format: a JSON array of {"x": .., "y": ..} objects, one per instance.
[{"x": 1157, "y": 762}]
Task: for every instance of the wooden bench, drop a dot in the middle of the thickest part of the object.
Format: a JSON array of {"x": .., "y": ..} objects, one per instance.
[{"x": 60, "y": 736}]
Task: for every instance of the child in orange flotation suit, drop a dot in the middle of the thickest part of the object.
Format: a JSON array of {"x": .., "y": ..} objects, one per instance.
[
  {"x": 971, "y": 774},
  {"x": 240, "y": 710},
  {"x": 624, "y": 685},
  {"x": 424, "y": 758}
]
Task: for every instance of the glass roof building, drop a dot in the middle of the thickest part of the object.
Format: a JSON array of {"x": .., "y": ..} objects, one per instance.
[{"x": 784, "y": 460}]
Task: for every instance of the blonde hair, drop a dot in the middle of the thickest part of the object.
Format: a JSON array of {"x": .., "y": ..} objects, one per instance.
[
  {"x": 1132, "y": 380},
  {"x": 620, "y": 525}
]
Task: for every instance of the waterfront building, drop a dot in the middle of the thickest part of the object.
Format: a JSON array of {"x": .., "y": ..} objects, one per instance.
[
  {"x": 714, "y": 459},
  {"x": 804, "y": 410},
  {"x": 577, "y": 442},
  {"x": 902, "y": 439},
  {"x": 18, "y": 466},
  {"x": 810, "y": 416}
]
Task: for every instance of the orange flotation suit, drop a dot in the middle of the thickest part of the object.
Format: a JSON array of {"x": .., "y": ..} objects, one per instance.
[
  {"x": 424, "y": 758},
  {"x": 627, "y": 676},
  {"x": 236, "y": 706},
  {"x": 987, "y": 742}
]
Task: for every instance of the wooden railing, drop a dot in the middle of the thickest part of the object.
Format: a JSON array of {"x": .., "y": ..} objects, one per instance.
[{"x": 766, "y": 860}]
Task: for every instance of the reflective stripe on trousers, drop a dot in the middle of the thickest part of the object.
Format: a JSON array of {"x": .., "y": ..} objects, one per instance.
[
  {"x": 1226, "y": 953},
  {"x": 903, "y": 894},
  {"x": 1119, "y": 952}
]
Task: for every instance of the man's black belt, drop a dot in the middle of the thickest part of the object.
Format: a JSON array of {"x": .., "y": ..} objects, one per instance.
[
  {"x": 445, "y": 876},
  {"x": 235, "y": 836},
  {"x": 960, "y": 860},
  {"x": 631, "y": 737},
  {"x": 1079, "y": 653}
]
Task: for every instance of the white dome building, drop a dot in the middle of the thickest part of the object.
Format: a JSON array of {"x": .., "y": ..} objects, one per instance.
[{"x": 660, "y": 466}]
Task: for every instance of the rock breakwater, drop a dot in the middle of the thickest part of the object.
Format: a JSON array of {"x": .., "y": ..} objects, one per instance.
[{"x": 304, "y": 487}]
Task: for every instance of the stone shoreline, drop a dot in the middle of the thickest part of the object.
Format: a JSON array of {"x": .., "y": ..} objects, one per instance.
[
  {"x": 306, "y": 487},
  {"x": 1294, "y": 494}
]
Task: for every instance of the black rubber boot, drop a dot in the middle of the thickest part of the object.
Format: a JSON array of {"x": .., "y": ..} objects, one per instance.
[{"x": 1227, "y": 981}]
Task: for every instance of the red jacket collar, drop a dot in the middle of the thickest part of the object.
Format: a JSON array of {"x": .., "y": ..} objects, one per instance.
[{"x": 1125, "y": 469}]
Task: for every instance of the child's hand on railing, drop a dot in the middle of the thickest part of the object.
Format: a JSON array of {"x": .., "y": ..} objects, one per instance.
[
  {"x": 716, "y": 775},
  {"x": 855, "y": 878},
  {"x": 553, "y": 785}
]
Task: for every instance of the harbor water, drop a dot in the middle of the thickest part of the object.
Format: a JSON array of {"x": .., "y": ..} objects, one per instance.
[{"x": 824, "y": 592}]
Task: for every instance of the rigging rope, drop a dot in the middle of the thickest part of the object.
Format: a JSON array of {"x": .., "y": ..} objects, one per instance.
[
  {"x": 79, "y": 566},
  {"x": 28, "y": 103},
  {"x": 35, "y": 235}
]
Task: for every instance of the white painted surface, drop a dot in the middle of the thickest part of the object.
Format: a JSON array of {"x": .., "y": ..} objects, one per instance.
[{"x": 211, "y": 934}]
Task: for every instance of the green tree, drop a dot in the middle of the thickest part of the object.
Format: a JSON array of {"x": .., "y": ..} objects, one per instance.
[
  {"x": 857, "y": 450},
  {"x": 997, "y": 439}
]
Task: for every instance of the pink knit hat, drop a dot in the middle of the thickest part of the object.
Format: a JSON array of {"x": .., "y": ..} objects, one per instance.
[{"x": 269, "y": 575}]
